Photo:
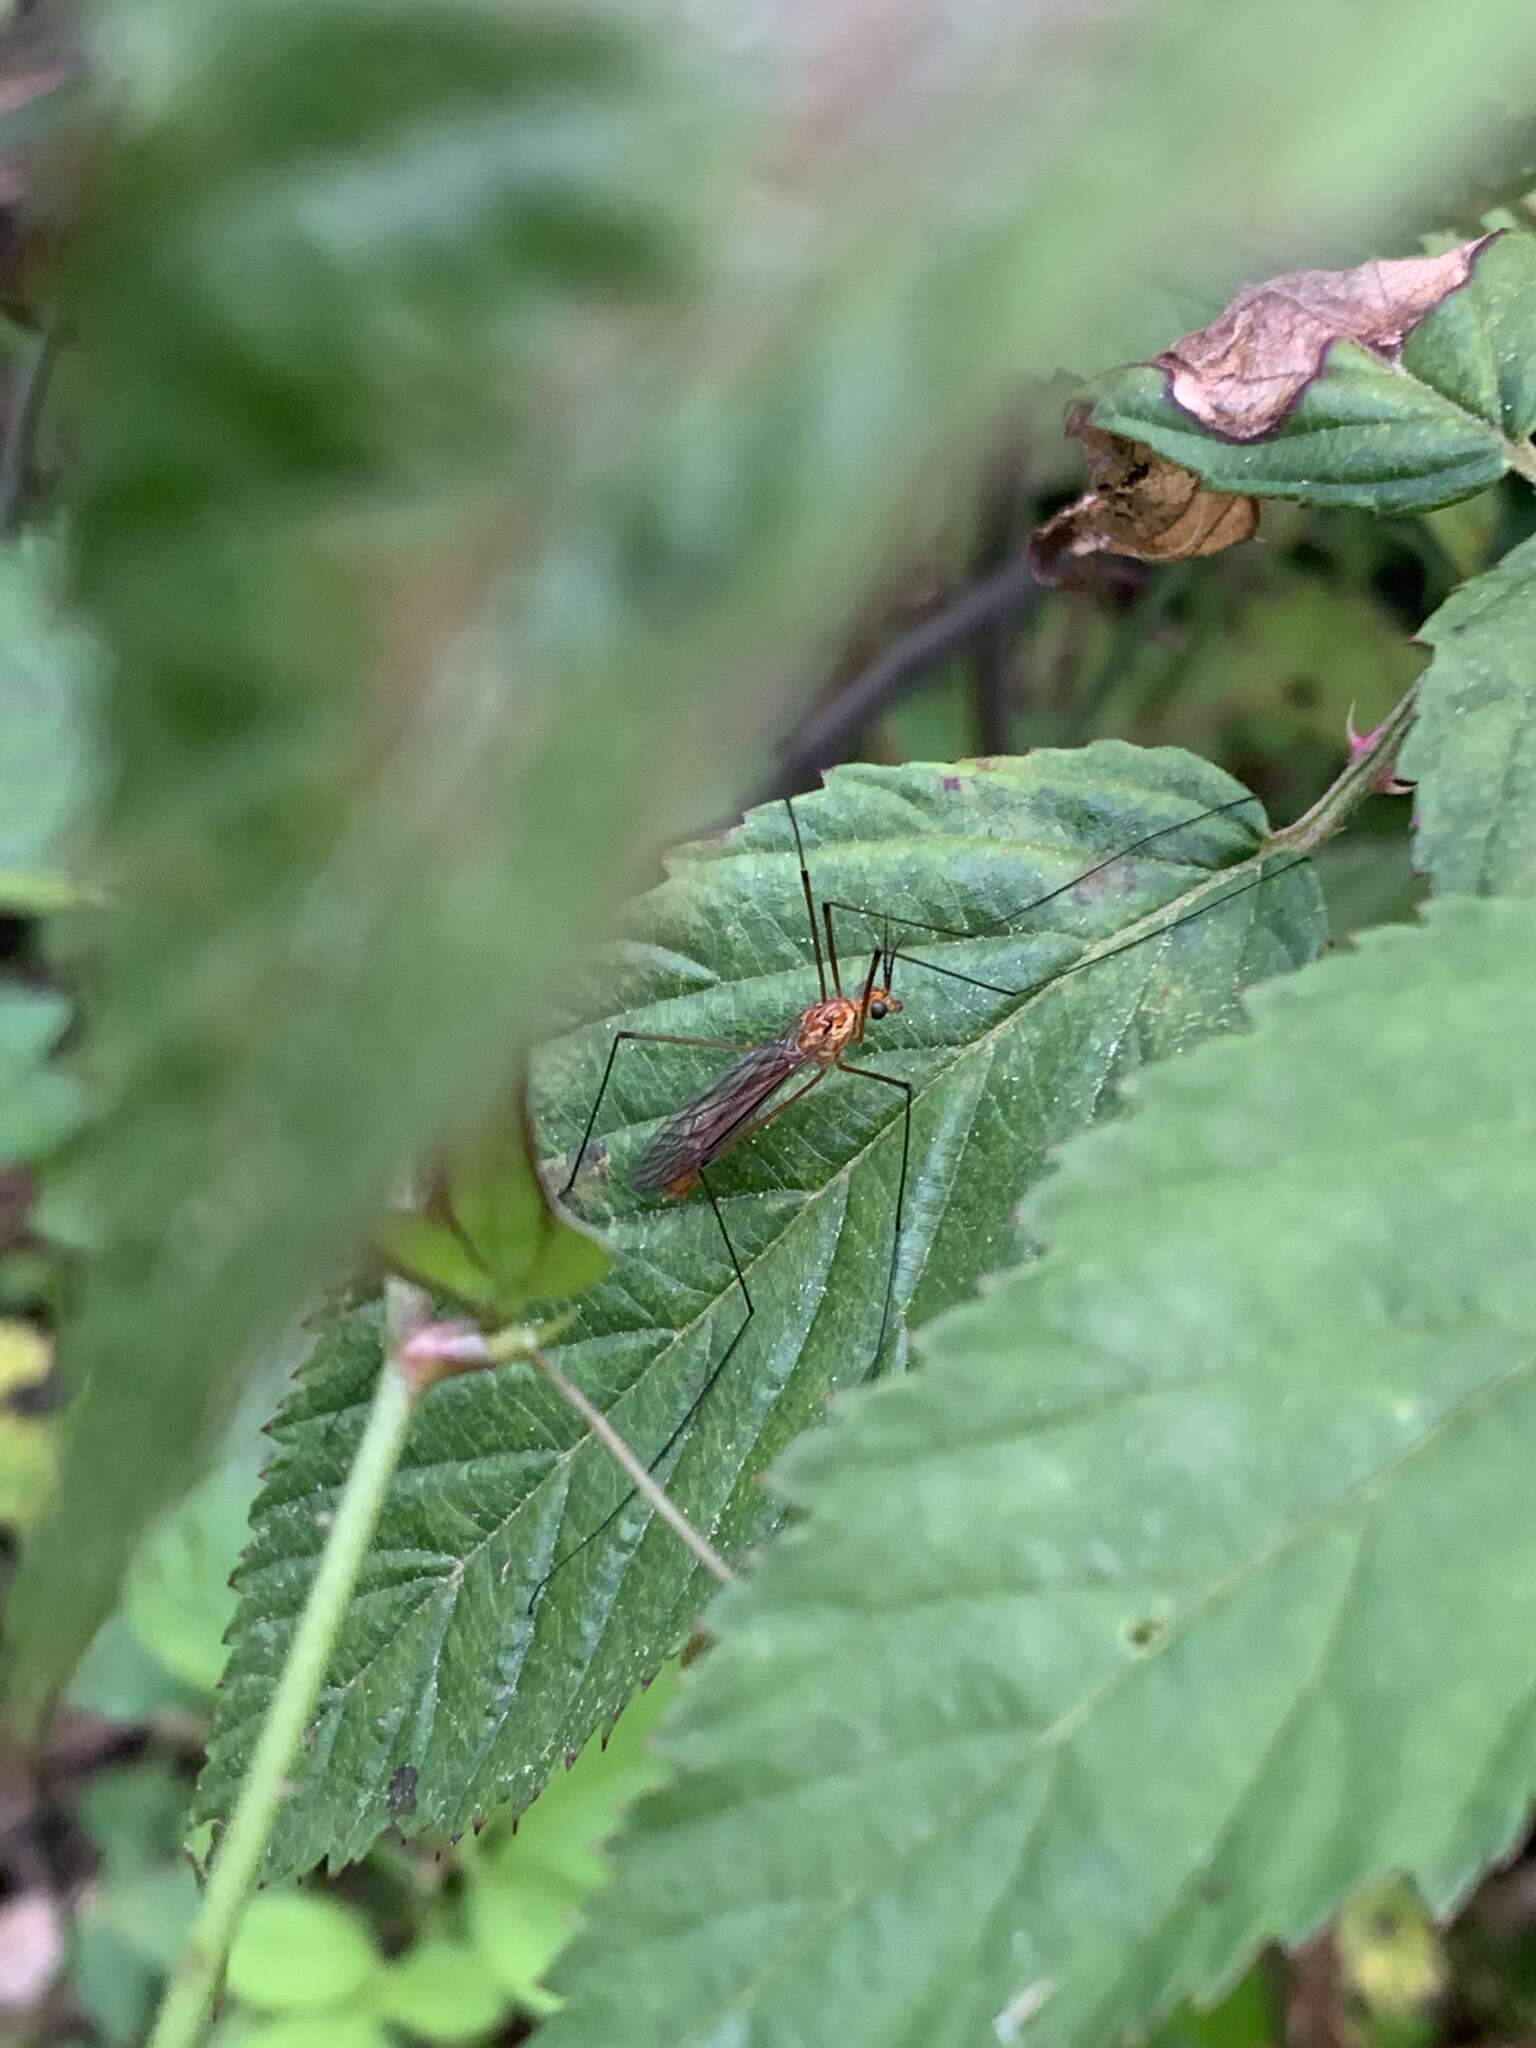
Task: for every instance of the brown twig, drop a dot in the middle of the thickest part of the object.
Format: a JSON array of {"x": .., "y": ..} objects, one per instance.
[
  {"x": 991, "y": 726},
  {"x": 18, "y": 437},
  {"x": 827, "y": 733}
]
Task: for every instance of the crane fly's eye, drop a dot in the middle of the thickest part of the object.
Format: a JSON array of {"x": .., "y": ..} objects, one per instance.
[{"x": 877, "y": 1009}]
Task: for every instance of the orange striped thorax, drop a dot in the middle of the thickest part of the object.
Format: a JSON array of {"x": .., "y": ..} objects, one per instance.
[{"x": 828, "y": 1028}]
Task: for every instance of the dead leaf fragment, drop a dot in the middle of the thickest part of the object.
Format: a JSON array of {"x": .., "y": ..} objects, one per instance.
[
  {"x": 1243, "y": 373},
  {"x": 1138, "y": 504}
]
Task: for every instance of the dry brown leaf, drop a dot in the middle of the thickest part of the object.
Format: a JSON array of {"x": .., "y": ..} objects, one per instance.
[
  {"x": 1243, "y": 373},
  {"x": 1138, "y": 504}
]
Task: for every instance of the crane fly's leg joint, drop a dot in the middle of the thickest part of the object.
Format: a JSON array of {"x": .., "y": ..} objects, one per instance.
[{"x": 891, "y": 1081}]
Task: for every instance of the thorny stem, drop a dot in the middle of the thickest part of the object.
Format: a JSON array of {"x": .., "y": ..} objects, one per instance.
[
  {"x": 199, "y": 1971},
  {"x": 1363, "y": 775}
]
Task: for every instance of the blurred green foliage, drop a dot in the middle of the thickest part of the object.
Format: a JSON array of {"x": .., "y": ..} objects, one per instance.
[
  {"x": 309, "y": 1966},
  {"x": 26, "y": 1441},
  {"x": 481, "y": 417},
  {"x": 476, "y": 426},
  {"x": 135, "y": 1914}
]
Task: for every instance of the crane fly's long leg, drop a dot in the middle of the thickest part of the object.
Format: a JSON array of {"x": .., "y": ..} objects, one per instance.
[
  {"x": 999, "y": 925},
  {"x": 693, "y": 1408},
  {"x": 1127, "y": 946},
  {"x": 810, "y": 909},
  {"x": 698, "y": 1400},
  {"x": 890, "y": 1080},
  {"x": 720, "y": 1138},
  {"x": 826, "y": 918},
  {"x": 647, "y": 1038},
  {"x": 621, "y": 1454}
]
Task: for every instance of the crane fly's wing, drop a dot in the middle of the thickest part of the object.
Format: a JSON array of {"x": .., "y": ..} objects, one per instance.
[{"x": 708, "y": 1125}]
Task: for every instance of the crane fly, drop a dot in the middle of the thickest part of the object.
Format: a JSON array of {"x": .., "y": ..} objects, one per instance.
[{"x": 753, "y": 1091}]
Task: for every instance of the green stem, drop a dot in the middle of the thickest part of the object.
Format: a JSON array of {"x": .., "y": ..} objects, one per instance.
[
  {"x": 199, "y": 1970},
  {"x": 27, "y": 892}
]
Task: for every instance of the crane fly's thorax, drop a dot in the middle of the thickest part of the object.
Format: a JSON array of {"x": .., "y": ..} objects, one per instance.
[{"x": 828, "y": 1028}]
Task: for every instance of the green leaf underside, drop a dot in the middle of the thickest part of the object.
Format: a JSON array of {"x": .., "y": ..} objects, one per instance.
[
  {"x": 1473, "y": 746},
  {"x": 38, "y": 1102},
  {"x": 491, "y": 1238},
  {"x": 288, "y": 563},
  {"x": 441, "y": 1668},
  {"x": 502, "y": 1212},
  {"x": 1398, "y": 436},
  {"x": 48, "y": 672},
  {"x": 1189, "y": 1585}
]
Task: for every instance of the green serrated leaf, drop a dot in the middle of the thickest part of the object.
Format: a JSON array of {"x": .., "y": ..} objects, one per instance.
[
  {"x": 1475, "y": 347},
  {"x": 445, "y": 1667},
  {"x": 526, "y": 1886},
  {"x": 1443, "y": 420},
  {"x": 296, "y": 1954},
  {"x": 1472, "y": 749},
  {"x": 1189, "y": 1585}
]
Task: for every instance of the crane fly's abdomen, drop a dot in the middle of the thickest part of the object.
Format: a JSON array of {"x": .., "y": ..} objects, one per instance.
[{"x": 710, "y": 1124}]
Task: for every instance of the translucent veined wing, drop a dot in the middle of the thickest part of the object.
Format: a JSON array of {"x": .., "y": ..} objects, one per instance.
[{"x": 710, "y": 1124}]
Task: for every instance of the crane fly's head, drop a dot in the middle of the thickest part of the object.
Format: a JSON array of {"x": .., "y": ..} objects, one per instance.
[{"x": 878, "y": 1000}]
